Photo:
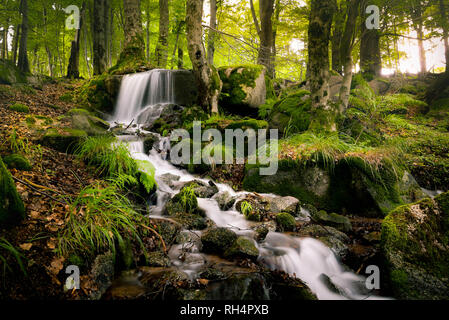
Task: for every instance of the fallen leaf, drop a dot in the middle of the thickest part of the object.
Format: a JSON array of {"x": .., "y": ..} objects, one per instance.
[{"x": 26, "y": 246}]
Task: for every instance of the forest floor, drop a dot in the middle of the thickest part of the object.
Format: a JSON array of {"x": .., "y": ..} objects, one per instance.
[{"x": 54, "y": 178}]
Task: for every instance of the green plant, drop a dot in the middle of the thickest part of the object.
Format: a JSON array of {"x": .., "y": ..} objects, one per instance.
[
  {"x": 109, "y": 156},
  {"x": 97, "y": 221},
  {"x": 6, "y": 246},
  {"x": 18, "y": 107},
  {"x": 187, "y": 198},
  {"x": 246, "y": 208}
]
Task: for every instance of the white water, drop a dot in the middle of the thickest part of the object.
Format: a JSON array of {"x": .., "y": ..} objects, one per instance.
[{"x": 306, "y": 258}]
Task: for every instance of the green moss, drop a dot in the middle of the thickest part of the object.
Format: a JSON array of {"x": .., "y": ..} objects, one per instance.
[
  {"x": 285, "y": 221},
  {"x": 18, "y": 107},
  {"x": 217, "y": 240},
  {"x": 78, "y": 111},
  {"x": 63, "y": 139},
  {"x": 17, "y": 161},
  {"x": 12, "y": 210},
  {"x": 146, "y": 176},
  {"x": 242, "y": 248},
  {"x": 66, "y": 97},
  {"x": 132, "y": 57}
]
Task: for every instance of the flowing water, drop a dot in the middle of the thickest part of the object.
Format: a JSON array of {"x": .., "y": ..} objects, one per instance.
[{"x": 305, "y": 258}]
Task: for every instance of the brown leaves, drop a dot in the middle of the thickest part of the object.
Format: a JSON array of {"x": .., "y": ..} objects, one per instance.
[{"x": 26, "y": 246}]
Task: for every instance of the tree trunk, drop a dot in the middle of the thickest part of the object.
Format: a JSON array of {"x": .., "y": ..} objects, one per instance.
[
  {"x": 23, "y": 63},
  {"x": 148, "y": 22},
  {"x": 346, "y": 45},
  {"x": 321, "y": 14},
  {"x": 99, "y": 36},
  {"x": 180, "y": 59},
  {"x": 422, "y": 51},
  {"x": 162, "y": 44},
  {"x": 337, "y": 64},
  {"x": 207, "y": 78},
  {"x": 15, "y": 43},
  {"x": 212, "y": 35},
  {"x": 266, "y": 10},
  {"x": 445, "y": 26},
  {"x": 370, "y": 58},
  {"x": 277, "y": 13},
  {"x": 5, "y": 41},
  {"x": 74, "y": 60},
  {"x": 133, "y": 52}
]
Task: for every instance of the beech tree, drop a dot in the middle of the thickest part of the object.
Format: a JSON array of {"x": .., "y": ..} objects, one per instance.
[
  {"x": 23, "y": 63},
  {"x": 161, "y": 53},
  {"x": 100, "y": 25},
  {"x": 207, "y": 78}
]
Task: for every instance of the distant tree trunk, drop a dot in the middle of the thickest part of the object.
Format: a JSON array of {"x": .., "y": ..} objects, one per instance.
[
  {"x": 207, "y": 78},
  {"x": 73, "y": 70},
  {"x": 161, "y": 54},
  {"x": 148, "y": 21},
  {"x": 15, "y": 43},
  {"x": 180, "y": 59},
  {"x": 5, "y": 41},
  {"x": 370, "y": 57},
  {"x": 266, "y": 10},
  {"x": 23, "y": 63},
  {"x": 277, "y": 13},
  {"x": 337, "y": 35},
  {"x": 321, "y": 15},
  {"x": 445, "y": 19},
  {"x": 99, "y": 36},
  {"x": 47, "y": 48},
  {"x": 346, "y": 46},
  {"x": 418, "y": 24},
  {"x": 212, "y": 34},
  {"x": 133, "y": 51}
]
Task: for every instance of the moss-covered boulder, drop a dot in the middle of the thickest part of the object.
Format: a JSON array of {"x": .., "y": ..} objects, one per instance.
[
  {"x": 291, "y": 114},
  {"x": 100, "y": 93},
  {"x": 12, "y": 210},
  {"x": 242, "y": 248},
  {"x": 158, "y": 259},
  {"x": 202, "y": 189},
  {"x": 217, "y": 240},
  {"x": 82, "y": 119},
  {"x": 350, "y": 187},
  {"x": 63, "y": 139},
  {"x": 332, "y": 219},
  {"x": 415, "y": 243},
  {"x": 244, "y": 88},
  {"x": 17, "y": 161},
  {"x": 336, "y": 240},
  {"x": 10, "y": 74},
  {"x": 285, "y": 221}
]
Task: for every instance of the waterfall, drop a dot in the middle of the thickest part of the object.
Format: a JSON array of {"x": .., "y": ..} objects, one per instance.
[
  {"x": 143, "y": 96},
  {"x": 307, "y": 259}
]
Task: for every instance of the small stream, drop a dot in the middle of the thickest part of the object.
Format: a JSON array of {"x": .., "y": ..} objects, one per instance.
[{"x": 305, "y": 258}]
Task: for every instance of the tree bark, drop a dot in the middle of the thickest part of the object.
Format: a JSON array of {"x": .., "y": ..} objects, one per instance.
[
  {"x": 74, "y": 60},
  {"x": 212, "y": 35},
  {"x": 99, "y": 30},
  {"x": 277, "y": 13},
  {"x": 323, "y": 114},
  {"x": 266, "y": 10},
  {"x": 445, "y": 27},
  {"x": 161, "y": 54},
  {"x": 346, "y": 46},
  {"x": 337, "y": 34},
  {"x": 370, "y": 57},
  {"x": 23, "y": 63},
  {"x": 207, "y": 78}
]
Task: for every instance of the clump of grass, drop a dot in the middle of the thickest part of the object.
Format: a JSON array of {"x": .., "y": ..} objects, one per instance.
[
  {"x": 246, "y": 208},
  {"x": 98, "y": 220},
  {"x": 109, "y": 156},
  {"x": 18, "y": 107},
  {"x": 146, "y": 175},
  {"x": 7, "y": 249},
  {"x": 187, "y": 198}
]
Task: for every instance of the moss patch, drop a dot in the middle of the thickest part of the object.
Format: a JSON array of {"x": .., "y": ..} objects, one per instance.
[{"x": 12, "y": 210}]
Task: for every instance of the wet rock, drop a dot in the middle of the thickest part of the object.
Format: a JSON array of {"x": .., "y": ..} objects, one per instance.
[
  {"x": 277, "y": 204},
  {"x": 126, "y": 287},
  {"x": 242, "y": 248},
  {"x": 202, "y": 189},
  {"x": 336, "y": 240},
  {"x": 238, "y": 287},
  {"x": 169, "y": 119},
  {"x": 225, "y": 200},
  {"x": 261, "y": 232},
  {"x": 158, "y": 259},
  {"x": 192, "y": 221},
  {"x": 102, "y": 274},
  {"x": 163, "y": 283},
  {"x": 217, "y": 240},
  {"x": 414, "y": 243},
  {"x": 12, "y": 210},
  {"x": 332, "y": 219},
  {"x": 285, "y": 221},
  {"x": 169, "y": 179}
]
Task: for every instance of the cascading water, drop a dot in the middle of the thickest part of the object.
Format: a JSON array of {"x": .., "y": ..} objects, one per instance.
[{"x": 306, "y": 258}]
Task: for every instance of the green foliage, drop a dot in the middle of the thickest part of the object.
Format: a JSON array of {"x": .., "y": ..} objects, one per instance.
[
  {"x": 98, "y": 220},
  {"x": 146, "y": 175},
  {"x": 66, "y": 97},
  {"x": 18, "y": 107},
  {"x": 186, "y": 197},
  {"x": 109, "y": 156},
  {"x": 6, "y": 250},
  {"x": 246, "y": 209}
]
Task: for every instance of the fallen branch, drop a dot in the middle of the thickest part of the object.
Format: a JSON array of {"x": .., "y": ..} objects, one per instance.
[
  {"x": 37, "y": 190},
  {"x": 158, "y": 235}
]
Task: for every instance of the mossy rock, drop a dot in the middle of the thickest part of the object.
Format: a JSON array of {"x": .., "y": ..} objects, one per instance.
[
  {"x": 21, "y": 108},
  {"x": 17, "y": 161},
  {"x": 285, "y": 221},
  {"x": 292, "y": 114},
  {"x": 63, "y": 139},
  {"x": 82, "y": 119},
  {"x": 415, "y": 244},
  {"x": 12, "y": 210},
  {"x": 158, "y": 259},
  {"x": 10, "y": 74},
  {"x": 217, "y": 240},
  {"x": 244, "y": 88},
  {"x": 242, "y": 248},
  {"x": 332, "y": 219}
]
